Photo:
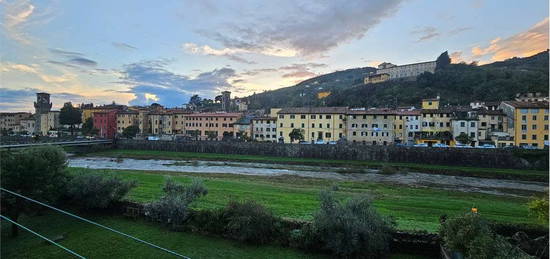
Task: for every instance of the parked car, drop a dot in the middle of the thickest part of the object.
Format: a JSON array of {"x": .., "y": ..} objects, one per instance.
[
  {"x": 153, "y": 138},
  {"x": 487, "y": 146},
  {"x": 304, "y": 142},
  {"x": 420, "y": 145},
  {"x": 320, "y": 141},
  {"x": 528, "y": 147},
  {"x": 459, "y": 145},
  {"x": 440, "y": 145},
  {"x": 332, "y": 143}
]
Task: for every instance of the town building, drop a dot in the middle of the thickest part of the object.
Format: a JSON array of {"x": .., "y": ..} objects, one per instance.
[
  {"x": 11, "y": 121},
  {"x": 212, "y": 125},
  {"x": 160, "y": 123},
  {"x": 27, "y": 125},
  {"x": 371, "y": 127},
  {"x": 490, "y": 121},
  {"x": 243, "y": 128},
  {"x": 531, "y": 97},
  {"x": 316, "y": 123},
  {"x": 436, "y": 123},
  {"x": 264, "y": 128},
  {"x": 106, "y": 123},
  {"x": 465, "y": 123},
  {"x": 125, "y": 119},
  {"x": 527, "y": 122},
  {"x": 178, "y": 119},
  {"x": 407, "y": 125},
  {"x": 404, "y": 71}
]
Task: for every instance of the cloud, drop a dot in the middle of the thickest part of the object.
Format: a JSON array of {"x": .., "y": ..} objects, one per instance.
[
  {"x": 522, "y": 44},
  {"x": 123, "y": 46},
  {"x": 72, "y": 59},
  {"x": 301, "y": 70},
  {"x": 300, "y": 74},
  {"x": 35, "y": 70},
  {"x": 7, "y": 67},
  {"x": 456, "y": 57},
  {"x": 309, "y": 28},
  {"x": 65, "y": 53},
  {"x": 425, "y": 33},
  {"x": 16, "y": 15},
  {"x": 83, "y": 62},
  {"x": 151, "y": 78},
  {"x": 225, "y": 52},
  {"x": 458, "y": 30}
]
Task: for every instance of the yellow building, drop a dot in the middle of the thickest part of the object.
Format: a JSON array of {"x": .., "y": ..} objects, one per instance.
[
  {"x": 371, "y": 127},
  {"x": 527, "y": 122},
  {"x": 490, "y": 121},
  {"x": 316, "y": 123},
  {"x": 160, "y": 123},
  {"x": 378, "y": 78},
  {"x": 179, "y": 121},
  {"x": 436, "y": 124},
  {"x": 321, "y": 95},
  {"x": 125, "y": 119},
  {"x": 430, "y": 104}
]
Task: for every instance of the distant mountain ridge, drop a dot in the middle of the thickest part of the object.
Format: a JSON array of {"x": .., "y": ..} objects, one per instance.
[{"x": 456, "y": 84}]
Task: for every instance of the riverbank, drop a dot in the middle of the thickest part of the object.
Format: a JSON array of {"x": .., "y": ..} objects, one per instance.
[
  {"x": 513, "y": 174},
  {"x": 414, "y": 208}
]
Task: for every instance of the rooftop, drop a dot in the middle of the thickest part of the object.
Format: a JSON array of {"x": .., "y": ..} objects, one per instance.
[
  {"x": 313, "y": 110},
  {"x": 517, "y": 104},
  {"x": 215, "y": 114}
]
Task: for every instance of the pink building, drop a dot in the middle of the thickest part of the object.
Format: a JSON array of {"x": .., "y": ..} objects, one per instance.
[{"x": 105, "y": 122}]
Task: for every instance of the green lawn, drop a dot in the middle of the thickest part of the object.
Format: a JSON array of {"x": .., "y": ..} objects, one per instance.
[
  {"x": 295, "y": 197},
  {"x": 93, "y": 242},
  {"x": 439, "y": 169}
]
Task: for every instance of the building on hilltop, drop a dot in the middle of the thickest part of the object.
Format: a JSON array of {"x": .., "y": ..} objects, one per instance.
[
  {"x": 405, "y": 71},
  {"x": 376, "y": 78}
]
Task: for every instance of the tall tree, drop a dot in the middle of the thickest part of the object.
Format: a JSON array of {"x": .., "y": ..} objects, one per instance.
[
  {"x": 463, "y": 138},
  {"x": 69, "y": 115},
  {"x": 130, "y": 131},
  {"x": 87, "y": 126},
  {"x": 296, "y": 134},
  {"x": 442, "y": 61},
  {"x": 39, "y": 173}
]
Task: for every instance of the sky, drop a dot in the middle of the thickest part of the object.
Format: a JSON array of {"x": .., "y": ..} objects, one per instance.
[{"x": 139, "y": 52}]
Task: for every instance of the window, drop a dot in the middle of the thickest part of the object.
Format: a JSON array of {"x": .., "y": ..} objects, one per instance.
[
  {"x": 523, "y": 127},
  {"x": 385, "y": 126},
  {"x": 303, "y": 125},
  {"x": 320, "y": 125},
  {"x": 534, "y": 137},
  {"x": 328, "y": 135},
  {"x": 534, "y": 127},
  {"x": 546, "y": 127},
  {"x": 312, "y": 116},
  {"x": 385, "y": 116},
  {"x": 523, "y": 136},
  {"x": 441, "y": 124},
  {"x": 340, "y": 125},
  {"x": 302, "y": 116},
  {"x": 354, "y": 117},
  {"x": 462, "y": 124},
  {"x": 280, "y": 133},
  {"x": 534, "y": 117},
  {"x": 472, "y": 134},
  {"x": 523, "y": 117},
  {"x": 313, "y": 125},
  {"x": 328, "y": 117},
  {"x": 312, "y": 134},
  {"x": 484, "y": 124},
  {"x": 292, "y": 116},
  {"x": 472, "y": 124},
  {"x": 320, "y": 116},
  {"x": 545, "y": 117},
  {"x": 280, "y": 117},
  {"x": 281, "y": 125},
  {"x": 545, "y": 137},
  {"x": 328, "y": 125},
  {"x": 354, "y": 133},
  {"x": 292, "y": 125}
]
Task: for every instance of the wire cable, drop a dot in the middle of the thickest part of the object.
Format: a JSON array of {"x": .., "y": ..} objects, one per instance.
[
  {"x": 97, "y": 224},
  {"x": 43, "y": 237}
]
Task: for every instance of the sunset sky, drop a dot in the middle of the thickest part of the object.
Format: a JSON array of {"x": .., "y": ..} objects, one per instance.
[{"x": 139, "y": 52}]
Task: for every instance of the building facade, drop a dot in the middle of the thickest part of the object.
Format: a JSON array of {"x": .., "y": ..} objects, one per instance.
[
  {"x": 125, "y": 119},
  {"x": 527, "y": 122},
  {"x": 371, "y": 127},
  {"x": 316, "y": 123},
  {"x": 466, "y": 125},
  {"x": 213, "y": 125},
  {"x": 106, "y": 123},
  {"x": 12, "y": 121},
  {"x": 264, "y": 129},
  {"x": 404, "y": 71}
]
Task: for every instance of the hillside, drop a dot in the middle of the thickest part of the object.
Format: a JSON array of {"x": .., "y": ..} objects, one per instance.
[{"x": 456, "y": 84}]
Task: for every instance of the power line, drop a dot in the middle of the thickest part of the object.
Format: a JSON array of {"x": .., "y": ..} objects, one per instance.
[
  {"x": 43, "y": 237},
  {"x": 97, "y": 224}
]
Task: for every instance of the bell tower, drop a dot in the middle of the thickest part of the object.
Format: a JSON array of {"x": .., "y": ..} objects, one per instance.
[{"x": 42, "y": 107}]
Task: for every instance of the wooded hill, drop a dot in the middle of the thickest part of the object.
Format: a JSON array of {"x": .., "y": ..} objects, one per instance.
[{"x": 455, "y": 83}]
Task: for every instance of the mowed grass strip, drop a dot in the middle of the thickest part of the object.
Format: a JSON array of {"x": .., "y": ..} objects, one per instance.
[
  {"x": 531, "y": 175},
  {"x": 93, "y": 242},
  {"x": 296, "y": 197}
]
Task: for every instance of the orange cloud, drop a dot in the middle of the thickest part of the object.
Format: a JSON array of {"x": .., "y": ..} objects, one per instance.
[{"x": 523, "y": 44}]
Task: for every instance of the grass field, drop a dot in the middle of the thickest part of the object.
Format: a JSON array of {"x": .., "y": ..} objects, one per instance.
[
  {"x": 532, "y": 175},
  {"x": 295, "y": 197}
]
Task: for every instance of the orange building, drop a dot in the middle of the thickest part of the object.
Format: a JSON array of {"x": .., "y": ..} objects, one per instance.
[{"x": 213, "y": 126}]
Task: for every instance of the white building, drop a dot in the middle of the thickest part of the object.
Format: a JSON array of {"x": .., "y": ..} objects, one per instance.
[
  {"x": 264, "y": 129},
  {"x": 403, "y": 71},
  {"x": 413, "y": 124},
  {"x": 468, "y": 126}
]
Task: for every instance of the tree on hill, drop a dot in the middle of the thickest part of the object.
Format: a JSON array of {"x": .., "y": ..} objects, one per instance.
[
  {"x": 296, "y": 134},
  {"x": 442, "y": 61},
  {"x": 130, "y": 131},
  {"x": 69, "y": 115}
]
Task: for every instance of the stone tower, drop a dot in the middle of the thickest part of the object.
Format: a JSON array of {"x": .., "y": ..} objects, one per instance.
[
  {"x": 226, "y": 101},
  {"x": 42, "y": 107}
]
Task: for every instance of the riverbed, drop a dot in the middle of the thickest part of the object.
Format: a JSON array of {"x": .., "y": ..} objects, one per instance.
[{"x": 415, "y": 179}]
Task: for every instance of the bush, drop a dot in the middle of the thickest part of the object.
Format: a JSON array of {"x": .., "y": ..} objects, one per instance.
[
  {"x": 348, "y": 229},
  {"x": 93, "y": 191},
  {"x": 249, "y": 222},
  {"x": 173, "y": 208},
  {"x": 472, "y": 236},
  {"x": 388, "y": 169},
  {"x": 538, "y": 207}
]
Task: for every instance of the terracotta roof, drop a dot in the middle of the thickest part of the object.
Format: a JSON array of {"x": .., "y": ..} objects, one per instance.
[
  {"x": 413, "y": 112},
  {"x": 313, "y": 110},
  {"x": 373, "y": 111},
  {"x": 264, "y": 118},
  {"x": 517, "y": 104},
  {"x": 214, "y": 114},
  {"x": 490, "y": 112}
]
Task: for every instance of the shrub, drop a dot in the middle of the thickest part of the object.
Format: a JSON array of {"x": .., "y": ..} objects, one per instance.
[
  {"x": 249, "y": 222},
  {"x": 172, "y": 208},
  {"x": 348, "y": 229},
  {"x": 92, "y": 191},
  {"x": 538, "y": 207},
  {"x": 388, "y": 169},
  {"x": 472, "y": 236}
]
